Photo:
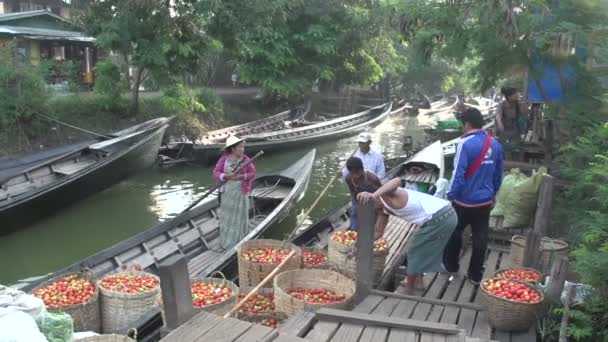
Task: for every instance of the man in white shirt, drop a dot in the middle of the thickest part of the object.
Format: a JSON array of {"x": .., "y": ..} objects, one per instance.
[{"x": 373, "y": 161}]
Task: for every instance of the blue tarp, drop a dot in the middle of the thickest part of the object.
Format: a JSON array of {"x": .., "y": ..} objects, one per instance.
[{"x": 549, "y": 80}]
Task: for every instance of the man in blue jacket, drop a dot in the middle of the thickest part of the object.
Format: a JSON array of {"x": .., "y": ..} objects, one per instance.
[{"x": 478, "y": 167}]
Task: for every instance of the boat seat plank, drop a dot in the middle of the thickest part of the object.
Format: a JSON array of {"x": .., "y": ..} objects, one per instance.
[
  {"x": 278, "y": 192},
  {"x": 164, "y": 250},
  {"x": 71, "y": 167},
  {"x": 199, "y": 262}
]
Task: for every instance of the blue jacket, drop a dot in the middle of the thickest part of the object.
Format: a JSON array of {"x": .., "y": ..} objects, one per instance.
[{"x": 481, "y": 188}]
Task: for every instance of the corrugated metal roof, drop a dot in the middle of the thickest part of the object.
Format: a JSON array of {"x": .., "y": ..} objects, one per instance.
[
  {"x": 29, "y": 14},
  {"x": 39, "y": 33}
]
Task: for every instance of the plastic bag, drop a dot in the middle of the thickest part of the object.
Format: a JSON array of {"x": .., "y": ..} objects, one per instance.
[
  {"x": 580, "y": 293},
  {"x": 57, "y": 327},
  {"x": 516, "y": 200},
  {"x": 19, "y": 300},
  {"x": 18, "y": 326}
]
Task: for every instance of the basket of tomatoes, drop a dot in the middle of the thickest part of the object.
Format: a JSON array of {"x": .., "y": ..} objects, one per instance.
[
  {"x": 511, "y": 305},
  {"x": 528, "y": 275},
  {"x": 314, "y": 258},
  {"x": 260, "y": 307},
  {"x": 341, "y": 253},
  {"x": 257, "y": 258},
  {"x": 312, "y": 289},
  {"x": 125, "y": 297},
  {"x": 75, "y": 294},
  {"x": 216, "y": 295}
]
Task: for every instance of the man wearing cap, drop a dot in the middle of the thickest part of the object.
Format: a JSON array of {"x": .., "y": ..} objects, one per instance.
[
  {"x": 373, "y": 161},
  {"x": 478, "y": 167}
]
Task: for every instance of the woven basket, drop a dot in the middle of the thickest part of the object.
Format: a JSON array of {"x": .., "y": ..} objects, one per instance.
[
  {"x": 106, "y": 338},
  {"x": 251, "y": 274},
  {"x": 540, "y": 278},
  {"x": 311, "y": 278},
  {"x": 119, "y": 310},
  {"x": 507, "y": 315},
  {"x": 86, "y": 316},
  {"x": 341, "y": 258},
  {"x": 322, "y": 266},
  {"x": 550, "y": 249},
  {"x": 225, "y": 306},
  {"x": 255, "y": 318}
]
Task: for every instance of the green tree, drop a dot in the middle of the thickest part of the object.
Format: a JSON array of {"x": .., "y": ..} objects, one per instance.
[{"x": 155, "y": 36}]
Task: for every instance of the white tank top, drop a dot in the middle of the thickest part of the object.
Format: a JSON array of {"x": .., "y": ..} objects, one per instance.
[{"x": 420, "y": 207}]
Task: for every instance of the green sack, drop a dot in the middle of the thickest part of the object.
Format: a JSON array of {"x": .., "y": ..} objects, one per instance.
[
  {"x": 56, "y": 327},
  {"x": 449, "y": 124},
  {"x": 516, "y": 200}
]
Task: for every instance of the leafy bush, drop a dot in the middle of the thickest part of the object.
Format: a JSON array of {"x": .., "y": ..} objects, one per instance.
[
  {"x": 183, "y": 102},
  {"x": 23, "y": 92},
  {"x": 212, "y": 102},
  {"x": 108, "y": 81},
  {"x": 71, "y": 72}
]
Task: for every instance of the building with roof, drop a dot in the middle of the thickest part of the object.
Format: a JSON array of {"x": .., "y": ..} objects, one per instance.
[{"x": 44, "y": 35}]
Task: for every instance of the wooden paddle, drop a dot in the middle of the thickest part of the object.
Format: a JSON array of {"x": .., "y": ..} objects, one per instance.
[{"x": 239, "y": 167}]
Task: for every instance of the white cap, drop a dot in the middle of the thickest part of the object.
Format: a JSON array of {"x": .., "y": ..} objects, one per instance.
[
  {"x": 232, "y": 140},
  {"x": 364, "y": 137}
]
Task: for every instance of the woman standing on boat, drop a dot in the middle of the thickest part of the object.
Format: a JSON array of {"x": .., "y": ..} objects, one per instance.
[
  {"x": 436, "y": 220},
  {"x": 234, "y": 200}
]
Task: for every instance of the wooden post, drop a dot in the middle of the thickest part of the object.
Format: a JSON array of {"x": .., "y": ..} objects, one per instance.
[
  {"x": 544, "y": 204},
  {"x": 366, "y": 216},
  {"x": 176, "y": 291},
  {"x": 563, "y": 329},
  {"x": 557, "y": 278},
  {"x": 532, "y": 250}
]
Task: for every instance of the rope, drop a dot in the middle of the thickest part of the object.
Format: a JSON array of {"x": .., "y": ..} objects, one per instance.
[{"x": 74, "y": 127}]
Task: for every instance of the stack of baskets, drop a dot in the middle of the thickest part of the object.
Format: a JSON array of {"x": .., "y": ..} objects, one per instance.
[
  {"x": 307, "y": 279},
  {"x": 342, "y": 258},
  {"x": 119, "y": 309},
  {"x": 550, "y": 249},
  {"x": 86, "y": 316},
  {"x": 251, "y": 273},
  {"x": 224, "y": 306}
]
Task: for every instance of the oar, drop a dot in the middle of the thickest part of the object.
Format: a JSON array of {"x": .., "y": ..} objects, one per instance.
[
  {"x": 259, "y": 286},
  {"x": 239, "y": 167},
  {"x": 331, "y": 181}
]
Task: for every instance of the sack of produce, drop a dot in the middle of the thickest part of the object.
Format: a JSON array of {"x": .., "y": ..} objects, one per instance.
[
  {"x": 517, "y": 198},
  {"x": 125, "y": 297},
  {"x": 56, "y": 327},
  {"x": 18, "y": 326},
  {"x": 76, "y": 295},
  {"x": 11, "y": 298}
]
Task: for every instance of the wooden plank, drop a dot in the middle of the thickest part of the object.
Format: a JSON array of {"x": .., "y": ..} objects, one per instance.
[
  {"x": 299, "y": 324},
  {"x": 525, "y": 336},
  {"x": 400, "y": 335},
  {"x": 557, "y": 278},
  {"x": 228, "y": 330},
  {"x": 482, "y": 327},
  {"x": 352, "y": 332},
  {"x": 421, "y": 311},
  {"x": 392, "y": 322},
  {"x": 404, "y": 309},
  {"x": 502, "y": 336},
  {"x": 288, "y": 338},
  {"x": 531, "y": 251},
  {"x": 466, "y": 320},
  {"x": 439, "y": 285},
  {"x": 426, "y": 337},
  {"x": 372, "y": 334},
  {"x": 365, "y": 250},
  {"x": 450, "y": 315},
  {"x": 194, "y": 328},
  {"x": 436, "y": 312},
  {"x": 544, "y": 205},
  {"x": 324, "y": 331},
  {"x": 439, "y": 338},
  {"x": 257, "y": 333},
  {"x": 471, "y": 306},
  {"x": 491, "y": 267}
]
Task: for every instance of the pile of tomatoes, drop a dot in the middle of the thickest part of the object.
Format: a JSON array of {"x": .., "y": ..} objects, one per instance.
[
  {"x": 69, "y": 290},
  {"x": 526, "y": 275},
  {"x": 313, "y": 259},
  {"x": 129, "y": 283},
  {"x": 348, "y": 237},
  {"x": 258, "y": 303},
  {"x": 266, "y": 255},
  {"x": 270, "y": 322},
  {"x": 204, "y": 294},
  {"x": 512, "y": 290},
  {"x": 316, "y": 296}
]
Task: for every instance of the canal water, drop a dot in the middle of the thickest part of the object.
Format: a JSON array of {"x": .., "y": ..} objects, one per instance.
[{"x": 155, "y": 195}]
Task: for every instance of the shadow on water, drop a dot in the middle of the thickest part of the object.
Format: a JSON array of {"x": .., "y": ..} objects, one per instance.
[{"x": 155, "y": 195}]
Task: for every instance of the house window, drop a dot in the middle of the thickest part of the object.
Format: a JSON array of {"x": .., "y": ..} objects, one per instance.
[{"x": 59, "y": 53}]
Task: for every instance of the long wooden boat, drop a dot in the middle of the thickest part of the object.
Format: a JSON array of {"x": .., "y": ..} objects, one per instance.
[
  {"x": 298, "y": 137},
  {"x": 422, "y": 171},
  {"x": 29, "y": 191},
  {"x": 195, "y": 234}
]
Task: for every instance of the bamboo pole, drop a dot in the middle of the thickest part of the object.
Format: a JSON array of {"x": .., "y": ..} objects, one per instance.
[{"x": 259, "y": 286}]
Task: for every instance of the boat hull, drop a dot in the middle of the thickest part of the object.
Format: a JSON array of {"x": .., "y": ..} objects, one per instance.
[{"x": 43, "y": 203}]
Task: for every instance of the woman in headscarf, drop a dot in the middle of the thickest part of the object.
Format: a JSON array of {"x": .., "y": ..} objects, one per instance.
[
  {"x": 436, "y": 220},
  {"x": 234, "y": 200}
]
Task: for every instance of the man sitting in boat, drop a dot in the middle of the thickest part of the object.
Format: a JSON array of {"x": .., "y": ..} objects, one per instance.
[
  {"x": 373, "y": 161},
  {"x": 436, "y": 220},
  {"x": 234, "y": 204},
  {"x": 359, "y": 180}
]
